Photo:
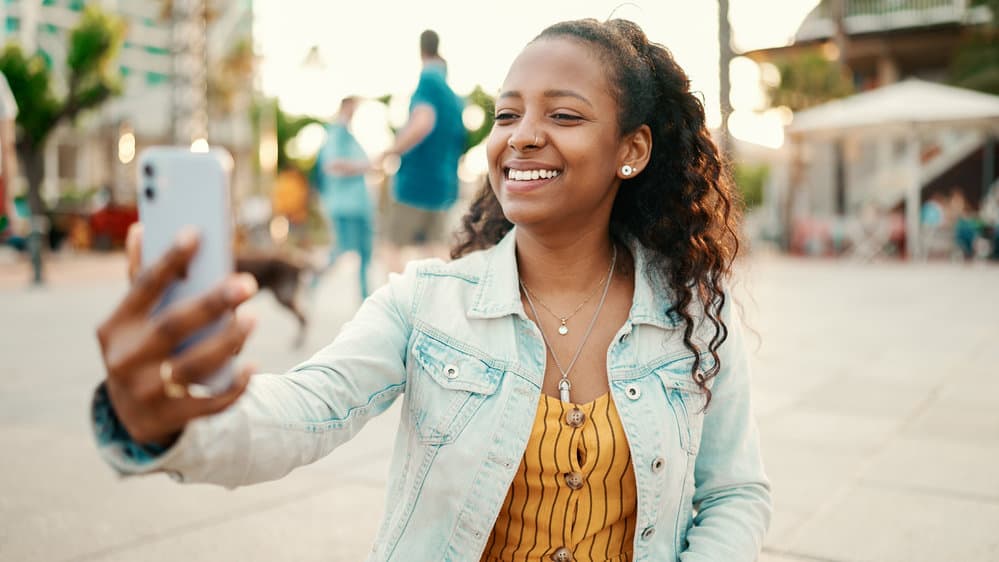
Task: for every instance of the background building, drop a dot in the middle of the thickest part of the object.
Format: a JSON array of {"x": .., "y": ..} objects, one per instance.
[
  {"x": 157, "y": 98},
  {"x": 877, "y": 43}
]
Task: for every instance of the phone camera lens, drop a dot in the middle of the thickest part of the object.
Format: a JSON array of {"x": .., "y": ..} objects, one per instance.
[
  {"x": 148, "y": 170},
  {"x": 150, "y": 193}
]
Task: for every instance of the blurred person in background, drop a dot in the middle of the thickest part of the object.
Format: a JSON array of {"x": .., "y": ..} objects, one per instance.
[
  {"x": 338, "y": 176},
  {"x": 8, "y": 155},
  {"x": 990, "y": 216},
  {"x": 628, "y": 428},
  {"x": 428, "y": 146}
]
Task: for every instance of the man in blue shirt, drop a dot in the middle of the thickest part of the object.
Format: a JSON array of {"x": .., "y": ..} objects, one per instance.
[
  {"x": 338, "y": 176},
  {"x": 429, "y": 146}
]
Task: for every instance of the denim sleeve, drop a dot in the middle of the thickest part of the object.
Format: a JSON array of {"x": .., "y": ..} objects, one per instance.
[{"x": 732, "y": 493}]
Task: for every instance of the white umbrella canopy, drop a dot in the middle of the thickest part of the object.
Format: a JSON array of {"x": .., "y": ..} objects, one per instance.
[
  {"x": 906, "y": 107},
  {"x": 909, "y": 104}
]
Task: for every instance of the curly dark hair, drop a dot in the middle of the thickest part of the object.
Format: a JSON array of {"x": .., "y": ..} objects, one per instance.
[{"x": 682, "y": 206}]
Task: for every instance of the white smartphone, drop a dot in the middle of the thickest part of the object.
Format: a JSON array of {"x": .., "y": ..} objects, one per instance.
[{"x": 178, "y": 188}]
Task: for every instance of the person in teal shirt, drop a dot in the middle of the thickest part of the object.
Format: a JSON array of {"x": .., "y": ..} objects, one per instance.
[
  {"x": 338, "y": 176},
  {"x": 429, "y": 146}
]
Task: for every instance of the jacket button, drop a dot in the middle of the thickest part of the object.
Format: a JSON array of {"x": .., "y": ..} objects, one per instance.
[
  {"x": 575, "y": 418},
  {"x": 658, "y": 465},
  {"x": 562, "y": 554},
  {"x": 632, "y": 391},
  {"x": 574, "y": 480},
  {"x": 451, "y": 372},
  {"x": 648, "y": 532}
]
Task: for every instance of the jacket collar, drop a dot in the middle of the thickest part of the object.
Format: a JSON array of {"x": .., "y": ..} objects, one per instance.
[{"x": 498, "y": 292}]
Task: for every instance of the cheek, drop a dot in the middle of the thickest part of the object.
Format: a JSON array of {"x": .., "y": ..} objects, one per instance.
[{"x": 495, "y": 144}]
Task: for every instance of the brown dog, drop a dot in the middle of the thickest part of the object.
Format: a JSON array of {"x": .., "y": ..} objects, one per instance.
[{"x": 283, "y": 275}]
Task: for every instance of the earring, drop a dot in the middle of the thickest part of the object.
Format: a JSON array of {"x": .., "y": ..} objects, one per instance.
[{"x": 627, "y": 170}]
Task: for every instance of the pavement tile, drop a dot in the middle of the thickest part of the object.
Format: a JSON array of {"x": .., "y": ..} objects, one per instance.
[
  {"x": 958, "y": 468},
  {"x": 887, "y": 525}
]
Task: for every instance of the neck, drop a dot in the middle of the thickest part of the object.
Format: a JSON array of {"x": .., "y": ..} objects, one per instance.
[{"x": 566, "y": 264}]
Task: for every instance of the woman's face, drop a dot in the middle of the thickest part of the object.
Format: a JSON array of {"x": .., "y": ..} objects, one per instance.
[{"x": 555, "y": 148}]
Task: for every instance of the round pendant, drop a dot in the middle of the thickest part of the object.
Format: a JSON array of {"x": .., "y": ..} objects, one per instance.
[{"x": 563, "y": 330}]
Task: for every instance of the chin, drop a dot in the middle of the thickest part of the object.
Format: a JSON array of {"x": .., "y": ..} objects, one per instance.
[{"x": 522, "y": 214}]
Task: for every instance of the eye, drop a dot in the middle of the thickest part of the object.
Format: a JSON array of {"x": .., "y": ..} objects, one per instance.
[
  {"x": 503, "y": 116},
  {"x": 566, "y": 117}
]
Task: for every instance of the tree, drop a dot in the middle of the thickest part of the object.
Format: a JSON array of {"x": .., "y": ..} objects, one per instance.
[
  {"x": 976, "y": 63},
  {"x": 91, "y": 79},
  {"x": 808, "y": 79}
]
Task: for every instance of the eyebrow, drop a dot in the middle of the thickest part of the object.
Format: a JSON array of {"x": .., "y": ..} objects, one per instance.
[{"x": 549, "y": 94}]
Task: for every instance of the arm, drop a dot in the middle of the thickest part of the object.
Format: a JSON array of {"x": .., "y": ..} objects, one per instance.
[
  {"x": 732, "y": 492},
  {"x": 345, "y": 167},
  {"x": 421, "y": 123},
  {"x": 285, "y": 421}
]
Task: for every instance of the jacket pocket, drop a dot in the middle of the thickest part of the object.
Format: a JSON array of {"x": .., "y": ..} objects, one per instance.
[
  {"x": 685, "y": 398},
  {"x": 446, "y": 386}
]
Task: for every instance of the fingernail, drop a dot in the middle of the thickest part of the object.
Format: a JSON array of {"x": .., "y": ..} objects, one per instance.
[
  {"x": 187, "y": 237},
  {"x": 241, "y": 287}
]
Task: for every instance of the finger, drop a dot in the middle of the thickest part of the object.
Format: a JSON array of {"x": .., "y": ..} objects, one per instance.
[
  {"x": 150, "y": 284},
  {"x": 209, "y": 355},
  {"x": 133, "y": 250},
  {"x": 191, "y": 408},
  {"x": 179, "y": 322},
  {"x": 148, "y": 341}
]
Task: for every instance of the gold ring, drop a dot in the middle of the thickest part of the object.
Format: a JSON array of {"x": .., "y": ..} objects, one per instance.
[{"x": 171, "y": 388}]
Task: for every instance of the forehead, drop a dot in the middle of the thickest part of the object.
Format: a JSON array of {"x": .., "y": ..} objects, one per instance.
[{"x": 559, "y": 63}]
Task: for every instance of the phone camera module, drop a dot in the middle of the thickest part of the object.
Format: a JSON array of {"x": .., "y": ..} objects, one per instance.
[
  {"x": 148, "y": 170},
  {"x": 150, "y": 193}
]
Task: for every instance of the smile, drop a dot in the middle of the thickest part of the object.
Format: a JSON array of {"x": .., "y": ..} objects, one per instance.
[{"x": 528, "y": 175}]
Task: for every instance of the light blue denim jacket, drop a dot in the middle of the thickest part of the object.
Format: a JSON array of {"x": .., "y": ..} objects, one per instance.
[{"x": 453, "y": 340}]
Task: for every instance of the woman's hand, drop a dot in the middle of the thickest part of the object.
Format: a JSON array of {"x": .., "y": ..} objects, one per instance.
[{"x": 145, "y": 384}]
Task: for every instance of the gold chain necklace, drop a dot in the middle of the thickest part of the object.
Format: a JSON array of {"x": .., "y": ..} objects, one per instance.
[
  {"x": 563, "y": 329},
  {"x": 563, "y": 384}
]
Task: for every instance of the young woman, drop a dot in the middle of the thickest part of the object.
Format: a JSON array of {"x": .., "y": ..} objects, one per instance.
[{"x": 574, "y": 384}]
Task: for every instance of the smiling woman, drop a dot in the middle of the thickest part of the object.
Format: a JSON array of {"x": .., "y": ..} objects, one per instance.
[{"x": 573, "y": 383}]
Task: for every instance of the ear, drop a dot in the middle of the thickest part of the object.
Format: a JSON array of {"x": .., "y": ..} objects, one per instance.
[{"x": 636, "y": 149}]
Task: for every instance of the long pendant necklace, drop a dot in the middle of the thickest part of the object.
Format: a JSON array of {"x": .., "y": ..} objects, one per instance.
[
  {"x": 563, "y": 384},
  {"x": 563, "y": 329}
]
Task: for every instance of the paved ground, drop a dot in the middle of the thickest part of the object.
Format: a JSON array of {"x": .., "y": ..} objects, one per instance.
[{"x": 876, "y": 388}]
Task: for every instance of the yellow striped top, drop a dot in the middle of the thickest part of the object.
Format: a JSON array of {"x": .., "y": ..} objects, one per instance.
[{"x": 574, "y": 496}]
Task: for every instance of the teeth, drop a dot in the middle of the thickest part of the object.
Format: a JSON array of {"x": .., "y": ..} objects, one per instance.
[{"x": 525, "y": 175}]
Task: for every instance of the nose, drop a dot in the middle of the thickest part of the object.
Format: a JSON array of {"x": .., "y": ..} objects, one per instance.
[{"x": 525, "y": 137}]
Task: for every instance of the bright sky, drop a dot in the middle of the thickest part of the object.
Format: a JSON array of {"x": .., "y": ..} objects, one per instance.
[{"x": 370, "y": 47}]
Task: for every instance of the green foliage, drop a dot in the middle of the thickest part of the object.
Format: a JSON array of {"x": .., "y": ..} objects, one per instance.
[
  {"x": 976, "y": 63},
  {"x": 750, "y": 179},
  {"x": 807, "y": 80},
  {"x": 92, "y": 77},
  {"x": 487, "y": 102},
  {"x": 29, "y": 81},
  {"x": 288, "y": 127}
]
